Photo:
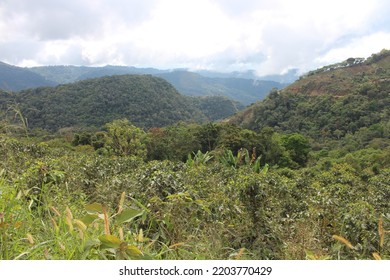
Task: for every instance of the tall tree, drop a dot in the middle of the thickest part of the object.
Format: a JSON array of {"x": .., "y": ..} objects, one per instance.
[{"x": 125, "y": 139}]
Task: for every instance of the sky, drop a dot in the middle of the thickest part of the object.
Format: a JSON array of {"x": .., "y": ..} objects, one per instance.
[{"x": 268, "y": 36}]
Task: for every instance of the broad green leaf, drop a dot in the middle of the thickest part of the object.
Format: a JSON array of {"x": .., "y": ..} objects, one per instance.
[
  {"x": 110, "y": 241},
  {"x": 89, "y": 219},
  {"x": 133, "y": 251},
  {"x": 94, "y": 208},
  {"x": 127, "y": 215}
]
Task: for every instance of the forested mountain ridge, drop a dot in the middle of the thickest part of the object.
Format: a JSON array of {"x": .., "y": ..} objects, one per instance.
[
  {"x": 336, "y": 101},
  {"x": 145, "y": 100},
  {"x": 18, "y": 78},
  {"x": 246, "y": 91},
  {"x": 243, "y": 90}
]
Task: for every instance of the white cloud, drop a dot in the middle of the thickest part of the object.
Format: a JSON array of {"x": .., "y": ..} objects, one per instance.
[
  {"x": 358, "y": 47},
  {"x": 268, "y": 36}
]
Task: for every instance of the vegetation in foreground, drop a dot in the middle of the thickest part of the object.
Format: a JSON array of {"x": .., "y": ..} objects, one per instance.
[{"x": 111, "y": 198}]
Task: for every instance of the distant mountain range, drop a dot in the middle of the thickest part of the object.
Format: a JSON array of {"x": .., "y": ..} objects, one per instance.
[
  {"x": 350, "y": 98},
  {"x": 243, "y": 87},
  {"x": 17, "y": 78}
]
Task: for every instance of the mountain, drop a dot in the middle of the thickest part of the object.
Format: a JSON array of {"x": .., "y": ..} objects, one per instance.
[
  {"x": 17, "y": 78},
  {"x": 351, "y": 98},
  {"x": 243, "y": 90},
  {"x": 216, "y": 108},
  {"x": 287, "y": 78},
  {"x": 61, "y": 74},
  {"x": 145, "y": 100},
  {"x": 243, "y": 87}
]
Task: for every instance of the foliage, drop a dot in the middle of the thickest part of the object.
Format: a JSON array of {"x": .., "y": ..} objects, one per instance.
[
  {"x": 124, "y": 139},
  {"x": 310, "y": 181},
  {"x": 145, "y": 100},
  {"x": 62, "y": 203}
]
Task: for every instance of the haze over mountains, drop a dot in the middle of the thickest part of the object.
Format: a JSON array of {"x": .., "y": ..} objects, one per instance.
[
  {"x": 17, "y": 78},
  {"x": 243, "y": 87}
]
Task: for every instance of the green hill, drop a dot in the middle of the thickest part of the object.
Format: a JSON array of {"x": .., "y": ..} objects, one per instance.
[
  {"x": 334, "y": 102},
  {"x": 17, "y": 78},
  {"x": 243, "y": 90},
  {"x": 145, "y": 100}
]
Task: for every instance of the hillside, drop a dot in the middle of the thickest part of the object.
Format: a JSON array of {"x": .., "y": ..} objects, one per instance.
[
  {"x": 246, "y": 91},
  {"x": 336, "y": 101},
  {"x": 17, "y": 78},
  {"x": 243, "y": 90},
  {"x": 145, "y": 100}
]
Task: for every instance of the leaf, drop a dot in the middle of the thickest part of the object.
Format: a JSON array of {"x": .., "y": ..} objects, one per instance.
[
  {"x": 133, "y": 251},
  {"x": 89, "y": 219},
  {"x": 110, "y": 241},
  {"x": 94, "y": 208},
  {"x": 127, "y": 215}
]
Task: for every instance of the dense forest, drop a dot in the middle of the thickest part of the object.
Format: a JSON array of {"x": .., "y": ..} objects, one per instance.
[
  {"x": 145, "y": 100},
  {"x": 303, "y": 174},
  {"x": 244, "y": 88}
]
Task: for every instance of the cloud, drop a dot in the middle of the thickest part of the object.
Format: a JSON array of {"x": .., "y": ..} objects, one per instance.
[
  {"x": 226, "y": 35},
  {"x": 357, "y": 47}
]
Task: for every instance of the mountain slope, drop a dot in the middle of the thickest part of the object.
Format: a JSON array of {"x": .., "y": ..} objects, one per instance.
[
  {"x": 17, "y": 78},
  {"x": 246, "y": 91},
  {"x": 243, "y": 90},
  {"x": 145, "y": 100},
  {"x": 352, "y": 97}
]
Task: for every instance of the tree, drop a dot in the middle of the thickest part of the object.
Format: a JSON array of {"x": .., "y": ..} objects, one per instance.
[
  {"x": 125, "y": 139},
  {"x": 297, "y": 146},
  {"x": 208, "y": 136}
]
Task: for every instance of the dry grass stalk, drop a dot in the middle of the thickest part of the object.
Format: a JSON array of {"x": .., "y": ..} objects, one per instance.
[
  {"x": 55, "y": 211},
  {"x": 106, "y": 221},
  {"x": 30, "y": 239},
  {"x": 240, "y": 253},
  {"x": 376, "y": 256},
  {"x": 121, "y": 235},
  {"x": 55, "y": 226},
  {"x": 381, "y": 232},
  {"x": 176, "y": 245},
  {"x": 80, "y": 225},
  {"x": 69, "y": 213},
  {"x": 121, "y": 202},
  {"x": 343, "y": 240},
  {"x": 69, "y": 223}
]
